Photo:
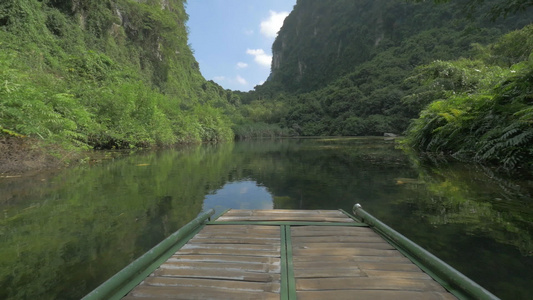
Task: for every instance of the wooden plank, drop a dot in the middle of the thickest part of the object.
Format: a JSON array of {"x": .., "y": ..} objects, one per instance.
[
  {"x": 328, "y": 272},
  {"x": 338, "y": 239},
  {"x": 229, "y": 251},
  {"x": 329, "y": 214},
  {"x": 289, "y": 223},
  {"x": 397, "y": 274},
  {"x": 388, "y": 266},
  {"x": 229, "y": 233},
  {"x": 372, "y": 295},
  {"x": 353, "y": 258},
  {"x": 406, "y": 267},
  {"x": 316, "y": 264},
  {"x": 237, "y": 235},
  {"x": 327, "y": 231},
  {"x": 344, "y": 229},
  {"x": 273, "y": 287},
  {"x": 233, "y": 240},
  {"x": 244, "y": 212},
  {"x": 303, "y": 245},
  {"x": 285, "y": 218},
  {"x": 218, "y": 274},
  {"x": 345, "y": 252},
  {"x": 341, "y": 230},
  {"x": 236, "y": 247},
  {"x": 237, "y": 212},
  {"x": 190, "y": 293},
  {"x": 226, "y": 258},
  {"x": 239, "y": 228},
  {"x": 367, "y": 283},
  {"x": 197, "y": 265}
]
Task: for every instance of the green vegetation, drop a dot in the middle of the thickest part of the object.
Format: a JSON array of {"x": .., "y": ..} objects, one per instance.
[
  {"x": 119, "y": 74},
  {"x": 64, "y": 234},
  {"x": 340, "y": 75},
  {"x": 497, "y": 8},
  {"x": 63, "y": 237},
  {"x": 105, "y": 74},
  {"x": 370, "y": 67},
  {"x": 482, "y": 109}
]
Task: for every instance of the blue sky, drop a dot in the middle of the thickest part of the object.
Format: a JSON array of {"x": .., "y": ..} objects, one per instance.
[
  {"x": 232, "y": 39},
  {"x": 239, "y": 195}
]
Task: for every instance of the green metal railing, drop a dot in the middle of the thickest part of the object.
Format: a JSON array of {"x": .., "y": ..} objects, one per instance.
[
  {"x": 125, "y": 280},
  {"x": 453, "y": 280}
]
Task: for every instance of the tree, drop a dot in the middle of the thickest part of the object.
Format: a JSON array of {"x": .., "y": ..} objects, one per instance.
[{"x": 498, "y": 9}]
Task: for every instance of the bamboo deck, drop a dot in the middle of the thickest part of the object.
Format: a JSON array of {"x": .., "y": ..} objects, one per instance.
[{"x": 287, "y": 254}]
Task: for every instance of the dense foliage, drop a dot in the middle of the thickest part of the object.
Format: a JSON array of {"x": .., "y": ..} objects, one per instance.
[
  {"x": 370, "y": 67},
  {"x": 105, "y": 74},
  {"x": 63, "y": 237},
  {"x": 336, "y": 74},
  {"x": 497, "y": 8},
  {"x": 483, "y": 108},
  {"x": 119, "y": 74}
]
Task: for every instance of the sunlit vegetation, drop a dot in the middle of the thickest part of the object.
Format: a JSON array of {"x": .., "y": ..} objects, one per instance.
[
  {"x": 451, "y": 199},
  {"x": 340, "y": 75},
  {"x": 105, "y": 74},
  {"x": 460, "y": 64},
  {"x": 481, "y": 109},
  {"x": 120, "y": 74},
  {"x": 63, "y": 237}
]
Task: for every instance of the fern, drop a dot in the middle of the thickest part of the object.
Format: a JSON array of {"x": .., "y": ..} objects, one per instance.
[{"x": 519, "y": 139}]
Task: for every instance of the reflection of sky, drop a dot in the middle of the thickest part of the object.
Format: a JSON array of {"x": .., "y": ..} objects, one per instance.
[{"x": 239, "y": 195}]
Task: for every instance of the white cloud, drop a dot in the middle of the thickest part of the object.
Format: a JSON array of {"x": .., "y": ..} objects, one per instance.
[
  {"x": 248, "y": 32},
  {"x": 271, "y": 26},
  {"x": 241, "y": 65},
  {"x": 219, "y": 78},
  {"x": 260, "y": 56},
  {"x": 241, "y": 80}
]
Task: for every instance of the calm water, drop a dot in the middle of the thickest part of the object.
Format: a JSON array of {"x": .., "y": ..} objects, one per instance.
[{"x": 63, "y": 234}]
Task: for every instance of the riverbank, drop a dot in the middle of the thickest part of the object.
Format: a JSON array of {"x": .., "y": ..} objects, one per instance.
[{"x": 21, "y": 155}]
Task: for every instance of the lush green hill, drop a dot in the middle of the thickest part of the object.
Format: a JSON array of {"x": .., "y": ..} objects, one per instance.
[
  {"x": 119, "y": 74},
  {"x": 323, "y": 40},
  {"x": 105, "y": 74},
  {"x": 362, "y": 67},
  {"x": 479, "y": 109}
]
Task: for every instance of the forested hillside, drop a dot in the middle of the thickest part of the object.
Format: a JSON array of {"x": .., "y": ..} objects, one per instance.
[
  {"x": 362, "y": 67},
  {"x": 105, "y": 74},
  {"x": 110, "y": 74}
]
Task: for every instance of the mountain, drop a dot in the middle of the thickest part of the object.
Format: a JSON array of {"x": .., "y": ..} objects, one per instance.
[
  {"x": 455, "y": 77},
  {"x": 105, "y": 74},
  {"x": 341, "y": 67},
  {"x": 323, "y": 40}
]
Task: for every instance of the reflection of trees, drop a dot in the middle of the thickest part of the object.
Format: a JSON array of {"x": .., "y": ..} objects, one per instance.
[
  {"x": 56, "y": 235},
  {"x": 323, "y": 173},
  {"x": 484, "y": 202},
  {"x": 63, "y": 237}
]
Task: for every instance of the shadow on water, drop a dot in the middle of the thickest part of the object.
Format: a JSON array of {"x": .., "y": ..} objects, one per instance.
[{"x": 62, "y": 235}]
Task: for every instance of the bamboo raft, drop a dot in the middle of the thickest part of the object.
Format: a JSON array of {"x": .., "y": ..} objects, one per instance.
[{"x": 287, "y": 254}]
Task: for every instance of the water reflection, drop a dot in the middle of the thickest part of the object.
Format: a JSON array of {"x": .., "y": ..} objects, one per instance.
[
  {"x": 239, "y": 195},
  {"x": 62, "y": 234}
]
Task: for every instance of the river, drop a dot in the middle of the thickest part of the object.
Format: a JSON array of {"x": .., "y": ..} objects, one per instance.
[{"x": 62, "y": 233}]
